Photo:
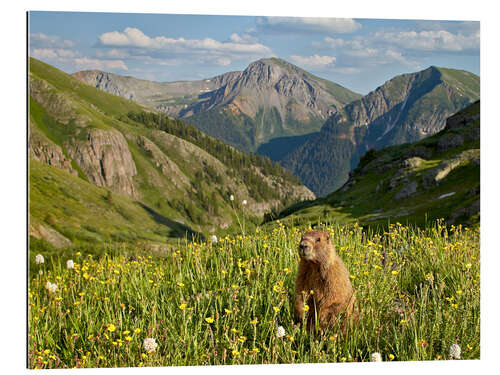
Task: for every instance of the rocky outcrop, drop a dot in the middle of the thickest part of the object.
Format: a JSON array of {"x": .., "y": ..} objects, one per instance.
[
  {"x": 465, "y": 212},
  {"x": 57, "y": 105},
  {"x": 49, "y": 234},
  {"x": 105, "y": 159},
  {"x": 45, "y": 151},
  {"x": 435, "y": 175},
  {"x": 407, "y": 191},
  {"x": 163, "y": 162}
]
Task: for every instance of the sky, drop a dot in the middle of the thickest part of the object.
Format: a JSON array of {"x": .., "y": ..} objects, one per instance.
[{"x": 360, "y": 54}]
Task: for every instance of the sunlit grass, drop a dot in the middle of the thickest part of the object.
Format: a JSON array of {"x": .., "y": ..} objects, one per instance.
[{"x": 205, "y": 303}]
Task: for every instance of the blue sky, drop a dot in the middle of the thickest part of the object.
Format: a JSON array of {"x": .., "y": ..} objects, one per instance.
[{"x": 360, "y": 54}]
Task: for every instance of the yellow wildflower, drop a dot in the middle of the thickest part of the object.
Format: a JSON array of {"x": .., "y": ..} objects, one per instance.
[
  {"x": 209, "y": 320},
  {"x": 111, "y": 327}
]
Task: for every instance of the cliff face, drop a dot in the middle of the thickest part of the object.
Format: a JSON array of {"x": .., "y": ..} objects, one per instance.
[
  {"x": 42, "y": 149},
  {"x": 404, "y": 109},
  {"x": 105, "y": 159}
]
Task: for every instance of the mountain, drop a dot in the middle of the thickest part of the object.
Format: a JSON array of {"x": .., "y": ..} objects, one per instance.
[
  {"x": 271, "y": 98},
  {"x": 436, "y": 177},
  {"x": 103, "y": 168},
  {"x": 407, "y": 108}
]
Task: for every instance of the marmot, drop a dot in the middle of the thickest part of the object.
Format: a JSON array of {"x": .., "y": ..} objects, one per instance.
[{"x": 322, "y": 271}]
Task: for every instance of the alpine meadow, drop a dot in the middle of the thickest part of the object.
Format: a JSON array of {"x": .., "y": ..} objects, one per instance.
[{"x": 174, "y": 183}]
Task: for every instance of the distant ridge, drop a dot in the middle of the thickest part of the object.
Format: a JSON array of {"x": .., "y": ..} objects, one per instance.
[
  {"x": 271, "y": 98},
  {"x": 406, "y": 108}
]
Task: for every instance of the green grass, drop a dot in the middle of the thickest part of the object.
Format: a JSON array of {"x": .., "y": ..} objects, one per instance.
[{"x": 204, "y": 304}]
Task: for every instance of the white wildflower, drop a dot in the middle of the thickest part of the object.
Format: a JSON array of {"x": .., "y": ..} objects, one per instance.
[
  {"x": 70, "y": 264},
  {"x": 213, "y": 239},
  {"x": 244, "y": 203},
  {"x": 280, "y": 332},
  {"x": 231, "y": 197},
  {"x": 39, "y": 259},
  {"x": 40, "y": 272},
  {"x": 51, "y": 287},
  {"x": 376, "y": 357},
  {"x": 150, "y": 344},
  {"x": 455, "y": 351}
]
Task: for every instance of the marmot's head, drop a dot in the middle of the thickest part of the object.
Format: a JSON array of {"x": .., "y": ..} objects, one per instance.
[{"x": 315, "y": 246}]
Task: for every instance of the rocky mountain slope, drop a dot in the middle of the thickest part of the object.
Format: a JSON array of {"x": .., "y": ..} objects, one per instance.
[
  {"x": 437, "y": 177},
  {"x": 407, "y": 108},
  {"x": 271, "y": 98},
  {"x": 103, "y": 168}
]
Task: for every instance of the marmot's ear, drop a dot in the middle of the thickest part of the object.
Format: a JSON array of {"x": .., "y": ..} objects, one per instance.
[{"x": 328, "y": 236}]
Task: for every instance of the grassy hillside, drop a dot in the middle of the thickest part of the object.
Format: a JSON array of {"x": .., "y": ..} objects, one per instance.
[
  {"x": 437, "y": 177},
  {"x": 169, "y": 178}
]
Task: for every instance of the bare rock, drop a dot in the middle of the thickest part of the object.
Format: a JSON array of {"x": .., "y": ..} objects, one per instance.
[
  {"x": 50, "y": 235},
  {"x": 434, "y": 176},
  {"x": 408, "y": 190},
  {"x": 470, "y": 210},
  {"x": 412, "y": 162},
  {"x": 163, "y": 162},
  {"x": 105, "y": 159},
  {"x": 47, "y": 152}
]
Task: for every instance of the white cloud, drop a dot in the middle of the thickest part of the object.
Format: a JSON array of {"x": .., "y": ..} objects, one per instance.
[
  {"x": 245, "y": 38},
  {"x": 396, "y": 56},
  {"x": 90, "y": 63},
  {"x": 355, "y": 48},
  {"x": 135, "y": 38},
  {"x": 308, "y": 24},
  {"x": 314, "y": 60},
  {"x": 430, "y": 40},
  {"x": 40, "y": 40},
  {"x": 53, "y": 53},
  {"x": 224, "y": 61}
]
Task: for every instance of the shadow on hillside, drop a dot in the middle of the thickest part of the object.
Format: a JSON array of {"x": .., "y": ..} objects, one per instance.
[
  {"x": 179, "y": 230},
  {"x": 276, "y": 149}
]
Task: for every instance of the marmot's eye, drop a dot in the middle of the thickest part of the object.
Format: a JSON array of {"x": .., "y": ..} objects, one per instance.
[{"x": 318, "y": 239}]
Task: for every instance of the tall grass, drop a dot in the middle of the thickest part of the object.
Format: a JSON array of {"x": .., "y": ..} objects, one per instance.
[{"x": 204, "y": 303}]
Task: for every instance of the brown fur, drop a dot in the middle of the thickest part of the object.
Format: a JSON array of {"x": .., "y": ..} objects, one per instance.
[{"x": 322, "y": 271}]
